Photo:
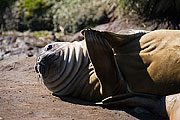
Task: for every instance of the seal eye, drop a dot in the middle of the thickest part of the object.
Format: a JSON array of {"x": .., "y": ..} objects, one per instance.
[{"x": 49, "y": 47}]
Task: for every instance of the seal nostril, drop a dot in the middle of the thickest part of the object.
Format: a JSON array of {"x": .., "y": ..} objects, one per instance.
[{"x": 49, "y": 47}]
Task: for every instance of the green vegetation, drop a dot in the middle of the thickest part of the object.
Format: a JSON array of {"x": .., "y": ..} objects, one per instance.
[
  {"x": 34, "y": 7},
  {"x": 158, "y": 10},
  {"x": 74, "y": 15},
  {"x": 28, "y": 15},
  {"x": 40, "y": 33}
]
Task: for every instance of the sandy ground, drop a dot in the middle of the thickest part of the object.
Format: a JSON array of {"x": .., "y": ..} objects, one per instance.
[{"x": 24, "y": 97}]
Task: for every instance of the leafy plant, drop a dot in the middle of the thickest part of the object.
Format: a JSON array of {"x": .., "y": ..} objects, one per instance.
[
  {"x": 29, "y": 14},
  {"x": 74, "y": 15},
  {"x": 34, "y": 7},
  {"x": 159, "y": 10}
]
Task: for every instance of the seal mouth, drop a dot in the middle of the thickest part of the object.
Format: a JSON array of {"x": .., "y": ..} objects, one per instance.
[
  {"x": 40, "y": 67},
  {"x": 36, "y": 68}
]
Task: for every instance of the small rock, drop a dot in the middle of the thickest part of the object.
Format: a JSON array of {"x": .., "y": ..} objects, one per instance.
[
  {"x": 30, "y": 48},
  {"x": 29, "y": 54}
]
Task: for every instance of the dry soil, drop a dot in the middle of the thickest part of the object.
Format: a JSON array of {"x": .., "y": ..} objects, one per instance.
[{"x": 24, "y": 97}]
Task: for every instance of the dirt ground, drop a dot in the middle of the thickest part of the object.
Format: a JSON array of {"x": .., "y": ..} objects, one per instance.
[{"x": 24, "y": 97}]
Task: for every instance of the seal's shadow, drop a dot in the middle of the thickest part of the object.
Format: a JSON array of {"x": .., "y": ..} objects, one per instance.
[
  {"x": 131, "y": 111},
  {"x": 140, "y": 116},
  {"x": 74, "y": 100}
]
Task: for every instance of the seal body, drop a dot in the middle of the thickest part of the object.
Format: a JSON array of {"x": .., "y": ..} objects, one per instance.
[
  {"x": 135, "y": 68},
  {"x": 106, "y": 64},
  {"x": 151, "y": 63}
]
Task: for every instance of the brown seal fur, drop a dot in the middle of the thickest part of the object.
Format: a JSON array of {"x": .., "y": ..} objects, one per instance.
[{"x": 149, "y": 63}]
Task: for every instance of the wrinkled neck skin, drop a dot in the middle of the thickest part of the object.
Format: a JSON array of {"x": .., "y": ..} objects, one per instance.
[{"x": 67, "y": 71}]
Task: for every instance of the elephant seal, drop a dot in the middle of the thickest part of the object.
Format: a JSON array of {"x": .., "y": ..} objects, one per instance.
[{"x": 131, "y": 66}]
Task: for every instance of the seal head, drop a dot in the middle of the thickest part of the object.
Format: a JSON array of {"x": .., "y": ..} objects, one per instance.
[{"x": 66, "y": 70}]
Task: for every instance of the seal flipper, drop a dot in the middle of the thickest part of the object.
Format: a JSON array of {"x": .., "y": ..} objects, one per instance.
[
  {"x": 153, "y": 103},
  {"x": 116, "y": 40},
  {"x": 102, "y": 57}
]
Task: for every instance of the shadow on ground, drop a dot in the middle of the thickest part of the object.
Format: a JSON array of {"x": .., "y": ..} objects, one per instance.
[{"x": 137, "y": 112}]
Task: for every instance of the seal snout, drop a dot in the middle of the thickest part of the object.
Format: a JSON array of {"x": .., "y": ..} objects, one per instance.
[
  {"x": 37, "y": 65},
  {"x": 40, "y": 65},
  {"x": 45, "y": 62},
  {"x": 36, "y": 68}
]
